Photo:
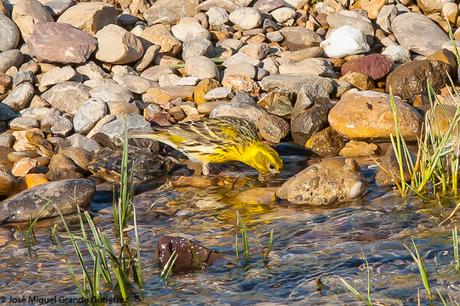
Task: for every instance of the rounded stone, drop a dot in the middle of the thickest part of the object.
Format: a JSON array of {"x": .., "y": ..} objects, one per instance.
[
  {"x": 368, "y": 115},
  {"x": 246, "y": 18},
  {"x": 201, "y": 67},
  {"x": 189, "y": 31},
  {"x": 118, "y": 46},
  {"x": 9, "y": 34},
  {"x": 9, "y": 59}
]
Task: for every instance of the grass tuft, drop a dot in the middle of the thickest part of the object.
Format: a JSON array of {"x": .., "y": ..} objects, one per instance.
[{"x": 421, "y": 268}]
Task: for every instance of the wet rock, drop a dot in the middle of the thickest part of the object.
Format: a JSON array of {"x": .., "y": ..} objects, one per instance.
[
  {"x": 88, "y": 114},
  {"x": 410, "y": 79},
  {"x": 109, "y": 134},
  {"x": 90, "y": 17},
  {"x": 297, "y": 38},
  {"x": 57, "y": 75},
  {"x": 20, "y": 97},
  {"x": 344, "y": 41},
  {"x": 375, "y": 66},
  {"x": 27, "y": 14},
  {"x": 189, "y": 31},
  {"x": 256, "y": 196},
  {"x": 326, "y": 142},
  {"x": 355, "y": 148},
  {"x": 160, "y": 35},
  {"x": 324, "y": 183},
  {"x": 66, "y": 195},
  {"x": 61, "y": 43},
  {"x": 367, "y": 115},
  {"x": 67, "y": 96},
  {"x": 9, "y": 34},
  {"x": 389, "y": 171},
  {"x": 106, "y": 163},
  {"x": 201, "y": 67},
  {"x": 118, "y": 46},
  {"x": 418, "y": 33},
  {"x": 191, "y": 256},
  {"x": 61, "y": 167},
  {"x": 9, "y": 59},
  {"x": 309, "y": 115},
  {"x": 246, "y": 18},
  {"x": 166, "y": 11}
]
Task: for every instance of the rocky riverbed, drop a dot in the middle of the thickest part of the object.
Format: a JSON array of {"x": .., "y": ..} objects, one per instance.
[{"x": 316, "y": 75}]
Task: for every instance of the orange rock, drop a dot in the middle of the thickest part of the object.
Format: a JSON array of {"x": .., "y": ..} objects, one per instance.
[
  {"x": 35, "y": 179},
  {"x": 202, "y": 88}
]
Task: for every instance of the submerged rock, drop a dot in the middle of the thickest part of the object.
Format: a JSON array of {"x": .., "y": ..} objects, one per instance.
[
  {"x": 66, "y": 195},
  {"x": 324, "y": 183},
  {"x": 191, "y": 256}
]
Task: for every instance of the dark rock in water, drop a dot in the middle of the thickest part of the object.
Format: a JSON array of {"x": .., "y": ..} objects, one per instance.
[
  {"x": 147, "y": 164},
  {"x": 389, "y": 172},
  {"x": 411, "y": 79},
  {"x": 191, "y": 256},
  {"x": 66, "y": 195}
]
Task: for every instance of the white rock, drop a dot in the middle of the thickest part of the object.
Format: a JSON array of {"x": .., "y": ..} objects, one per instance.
[
  {"x": 201, "y": 67},
  {"x": 241, "y": 58},
  {"x": 57, "y": 75},
  {"x": 217, "y": 16},
  {"x": 397, "y": 53},
  {"x": 189, "y": 31},
  {"x": 88, "y": 114},
  {"x": 218, "y": 93},
  {"x": 188, "y": 81},
  {"x": 344, "y": 41},
  {"x": 283, "y": 14},
  {"x": 246, "y": 18}
]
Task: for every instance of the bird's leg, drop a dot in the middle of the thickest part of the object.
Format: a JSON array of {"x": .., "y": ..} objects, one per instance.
[{"x": 205, "y": 168}]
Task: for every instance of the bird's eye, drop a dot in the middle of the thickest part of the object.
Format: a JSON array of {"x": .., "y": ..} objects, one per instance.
[{"x": 272, "y": 168}]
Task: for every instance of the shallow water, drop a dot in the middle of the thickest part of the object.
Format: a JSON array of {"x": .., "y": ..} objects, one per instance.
[{"x": 312, "y": 247}]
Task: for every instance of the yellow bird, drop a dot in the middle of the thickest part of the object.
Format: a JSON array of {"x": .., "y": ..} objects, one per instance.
[{"x": 219, "y": 140}]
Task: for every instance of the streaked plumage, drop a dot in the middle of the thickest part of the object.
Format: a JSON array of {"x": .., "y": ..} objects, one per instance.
[{"x": 219, "y": 140}]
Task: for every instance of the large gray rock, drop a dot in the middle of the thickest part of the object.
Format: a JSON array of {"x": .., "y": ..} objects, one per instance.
[
  {"x": 66, "y": 194},
  {"x": 67, "y": 96},
  {"x": 9, "y": 59},
  {"x": 418, "y": 33},
  {"x": 61, "y": 43},
  {"x": 325, "y": 183},
  {"x": 9, "y": 34}
]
